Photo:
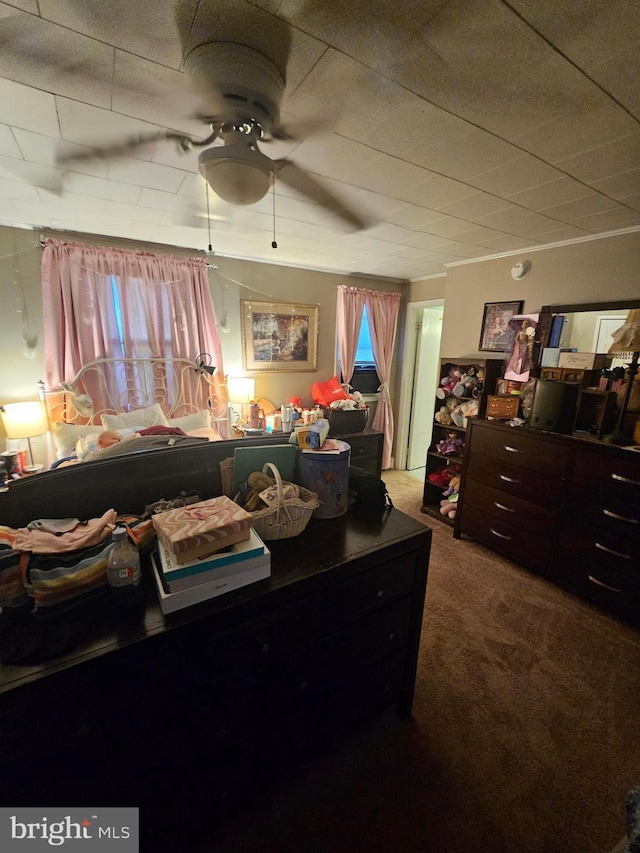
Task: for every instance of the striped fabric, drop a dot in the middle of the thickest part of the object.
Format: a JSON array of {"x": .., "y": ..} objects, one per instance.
[
  {"x": 57, "y": 582},
  {"x": 12, "y": 591}
]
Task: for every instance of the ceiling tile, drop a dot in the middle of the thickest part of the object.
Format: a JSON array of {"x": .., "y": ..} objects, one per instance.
[
  {"x": 127, "y": 25},
  {"x": 8, "y": 145},
  {"x": 555, "y": 192},
  {"x": 54, "y": 59},
  {"x": 620, "y": 155},
  {"x": 518, "y": 174},
  {"x": 28, "y": 108},
  {"x": 474, "y": 205},
  {"x": 571, "y": 210}
]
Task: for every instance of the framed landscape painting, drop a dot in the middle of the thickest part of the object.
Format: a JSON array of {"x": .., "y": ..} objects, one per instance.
[
  {"x": 496, "y": 334},
  {"x": 279, "y": 337}
]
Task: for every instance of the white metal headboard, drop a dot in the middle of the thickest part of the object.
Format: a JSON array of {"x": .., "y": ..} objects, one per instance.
[{"x": 118, "y": 385}]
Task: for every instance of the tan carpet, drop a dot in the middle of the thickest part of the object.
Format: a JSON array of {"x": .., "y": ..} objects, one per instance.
[{"x": 524, "y": 738}]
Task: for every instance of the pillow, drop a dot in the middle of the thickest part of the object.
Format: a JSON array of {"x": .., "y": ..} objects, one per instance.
[
  {"x": 150, "y": 416},
  {"x": 65, "y": 436},
  {"x": 196, "y": 421}
]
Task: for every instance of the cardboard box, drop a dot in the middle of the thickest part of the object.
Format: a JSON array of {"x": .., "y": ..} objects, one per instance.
[
  {"x": 243, "y": 555},
  {"x": 582, "y": 360},
  {"x": 193, "y": 531},
  {"x": 172, "y": 601}
]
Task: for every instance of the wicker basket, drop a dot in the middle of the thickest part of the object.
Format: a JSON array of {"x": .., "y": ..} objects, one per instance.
[
  {"x": 344, "y": 421},
  {"x": 288, "y": 517}
]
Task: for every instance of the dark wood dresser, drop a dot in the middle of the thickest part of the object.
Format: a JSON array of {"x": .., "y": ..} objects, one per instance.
[
  {"x": 201, "y": 708},
  {"x": 366, "y": 449},
  {"x": 564, "y": 507}
]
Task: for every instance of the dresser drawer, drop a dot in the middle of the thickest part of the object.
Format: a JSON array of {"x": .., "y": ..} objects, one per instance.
[
  {"x": 609, "y": 511},
  {"x": 372, "y": 589},
  {"x": 531, "y": 549},
  {"x": 517, "y": 448},
  {"x": 315, "y": 670},
  {"x": 366, "y": 451},
  {"x": 539, "y": 488},
  {"x": 601, "y": 547},
  {"x": 510, "y": 508},
  {"x": 619, "y": 475},
  {"x": 603, "y": 584}
]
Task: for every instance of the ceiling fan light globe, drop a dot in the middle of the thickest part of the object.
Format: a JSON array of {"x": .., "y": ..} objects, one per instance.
[
  {"x": 237, "y": 183},
  {"x": 238, "y": 173}
]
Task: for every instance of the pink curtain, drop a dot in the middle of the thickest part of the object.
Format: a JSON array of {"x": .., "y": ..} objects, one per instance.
[
  {"x": 382, "y": 313},
  {"x": 113, "y": 303},
  {"x": 351, "y": 302}
]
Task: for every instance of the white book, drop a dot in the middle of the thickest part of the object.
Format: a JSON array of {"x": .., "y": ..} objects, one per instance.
[
  {"x": 221, "y": 571},
  {"x": 172, "y": 601},
  {"x": 181, "y": 575}
]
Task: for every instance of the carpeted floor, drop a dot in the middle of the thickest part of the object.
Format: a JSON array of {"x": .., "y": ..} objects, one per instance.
[{"x": 524, "y": 738}]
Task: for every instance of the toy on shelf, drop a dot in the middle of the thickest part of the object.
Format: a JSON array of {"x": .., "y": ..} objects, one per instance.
[
  {"x": 443, "y": 476},
  {"x": 449, "y": 504},
  {"x": 451, "y": 445}
]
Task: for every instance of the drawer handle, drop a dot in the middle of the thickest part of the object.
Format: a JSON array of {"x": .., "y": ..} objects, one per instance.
[
  {"x": 620, "y": 517},
  {"x": 625, "y": 479},
  {"x": 512, "y": 449},
  {"x": 502, "y": 506},
  {"x": 508, "y": 479},
  {"x": 605, "y": 585},
  {"x": 610, "y": 551},
  {"x": 499, "y": 535}
]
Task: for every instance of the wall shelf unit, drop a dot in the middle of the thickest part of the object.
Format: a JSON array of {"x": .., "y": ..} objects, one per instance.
[{"x": 441, "y": 465}]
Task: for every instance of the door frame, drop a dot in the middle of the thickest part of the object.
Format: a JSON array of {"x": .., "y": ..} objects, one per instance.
[{"x": 408, "y": 370}]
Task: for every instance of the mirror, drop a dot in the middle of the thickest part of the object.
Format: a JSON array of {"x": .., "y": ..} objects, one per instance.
[{"x": 588, "y": 326}]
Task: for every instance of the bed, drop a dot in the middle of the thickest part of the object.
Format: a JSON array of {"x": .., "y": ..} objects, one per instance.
[
  {"x": 126, "y": 395},
  {"x": 128, "y": 483}
]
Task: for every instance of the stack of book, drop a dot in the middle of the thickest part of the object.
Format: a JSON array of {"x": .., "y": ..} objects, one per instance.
[{"x": 205, "y": 550}]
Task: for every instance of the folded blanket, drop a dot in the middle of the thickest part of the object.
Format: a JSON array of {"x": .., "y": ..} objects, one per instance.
[{"x": 84, "y": 535}]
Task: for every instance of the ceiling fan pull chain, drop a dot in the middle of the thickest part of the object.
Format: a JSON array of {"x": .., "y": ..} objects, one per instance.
[
  {"x": 208, "y": 219},
  {"x": 274, "y": 245}
]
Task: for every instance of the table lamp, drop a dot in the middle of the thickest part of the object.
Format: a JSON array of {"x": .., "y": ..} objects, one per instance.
[
  {"x": 241, "y": 390},
  {"x": 24, "y": 420},
  {"x": 626, "y": 339}
]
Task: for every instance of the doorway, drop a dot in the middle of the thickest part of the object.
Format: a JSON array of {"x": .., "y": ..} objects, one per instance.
[{"x": 421, "y": 360}]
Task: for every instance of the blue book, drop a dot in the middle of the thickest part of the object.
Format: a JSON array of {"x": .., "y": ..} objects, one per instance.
[
  {"x": 557, "y": 326},
  {"x": 180, "y": 575}
]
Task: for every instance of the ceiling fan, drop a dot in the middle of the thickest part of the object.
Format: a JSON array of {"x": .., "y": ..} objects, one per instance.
[{"x": 241, "y": 90}]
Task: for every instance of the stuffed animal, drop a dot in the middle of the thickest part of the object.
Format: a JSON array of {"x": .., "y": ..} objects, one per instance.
[
  {"x": 449, "y": 504},
  {"x": 448, "y": 508}
]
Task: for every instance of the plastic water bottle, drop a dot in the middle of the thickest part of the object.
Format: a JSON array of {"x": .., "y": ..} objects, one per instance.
[{"x": 123, "y": 568}]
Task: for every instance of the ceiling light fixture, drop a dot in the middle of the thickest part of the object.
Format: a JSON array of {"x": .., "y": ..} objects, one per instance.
[
  {"x": 519, "y": 270},
  {"x": 238, "y": 173}
]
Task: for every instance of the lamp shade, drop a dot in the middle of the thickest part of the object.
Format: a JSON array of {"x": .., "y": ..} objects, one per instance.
[
  {"x": 627, "y": 337},
  {"x": 241, "y": 389},
  {"x": 24, "y": 420}
]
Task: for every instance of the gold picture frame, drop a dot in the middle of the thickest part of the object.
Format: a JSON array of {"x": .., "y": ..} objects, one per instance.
[{"x": 278, "y": 337}]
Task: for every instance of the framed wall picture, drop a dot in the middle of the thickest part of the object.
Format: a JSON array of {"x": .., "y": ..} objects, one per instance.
[
  {"x": 278, "y": 337},
  {"x": 495, "y": 335}
]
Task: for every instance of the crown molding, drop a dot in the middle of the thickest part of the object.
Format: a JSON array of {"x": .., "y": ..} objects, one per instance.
[{"x": 543, "y": 247}]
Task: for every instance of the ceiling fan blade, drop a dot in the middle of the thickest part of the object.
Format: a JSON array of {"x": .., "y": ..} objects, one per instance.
[
  {"x": 110, "y": 151},
  {"x": 296, "y": 178},
  {"x": 296, "y": 131}
]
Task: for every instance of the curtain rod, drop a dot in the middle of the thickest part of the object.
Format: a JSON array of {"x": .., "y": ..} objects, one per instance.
[{"x": 42, "y": 242}]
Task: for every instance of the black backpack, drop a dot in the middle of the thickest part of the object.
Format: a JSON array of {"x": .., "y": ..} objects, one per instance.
[{"x": 370, "y": 491}]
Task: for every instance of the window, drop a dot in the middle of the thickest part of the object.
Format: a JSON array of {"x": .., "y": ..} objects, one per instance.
[
  {"x": 365, "y": 378},
  {"x": 364, "y": 353}
]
